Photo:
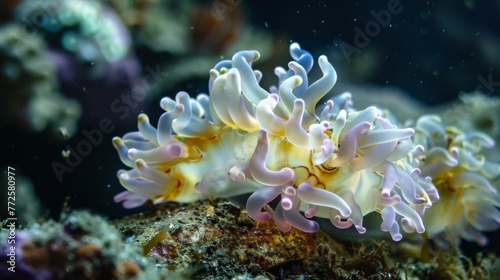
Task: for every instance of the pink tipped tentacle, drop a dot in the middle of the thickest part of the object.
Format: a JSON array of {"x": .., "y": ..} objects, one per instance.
[
  {"x": 154, "y": 174},
  {"x": 294, "y": 218},
  {"x": 259, "y": 199},
  {"x": 240, "y": 172},
  {"x": 258, "y": 169},
  {"x": 336, "y": 220},
  {"x": 389, "y": 223},
  {"x": 408, "y": 225},
  {"x": 406, "y": 211},
  {"x": 388, "y": 217},
  {"x": 130, "y": 199},
  {"x": 311, "y": 212},
  {"x": 307, "y": 193},
  {"x": 278, "y": 217},
  {"x": 157, "y": 155},
  {"x": 356, "y": 212},
  {"x": 139, "y": 185},
  {"x": 326, "y": 150},
  {"x": 408, "y": 187},
  {"x": 287, "y": 197},
  {"x": 387, "y": 183}
]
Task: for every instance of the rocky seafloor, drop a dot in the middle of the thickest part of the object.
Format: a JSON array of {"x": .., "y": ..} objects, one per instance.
[{"x": 216, "y": 239}]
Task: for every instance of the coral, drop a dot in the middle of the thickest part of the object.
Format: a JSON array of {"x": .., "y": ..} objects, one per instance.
[
  {"x": 82, "y": 246},
  {"x": 89, "y": 29},
  {"x": 91, "y": 50},
  {"x": 331, "y": 161},
  {"x": 28, "y": 85}
]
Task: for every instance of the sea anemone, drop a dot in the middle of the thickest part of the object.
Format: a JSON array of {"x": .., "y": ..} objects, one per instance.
[
  {"x": 462, "y": 175},
  {"x": 330, "y": 161}
]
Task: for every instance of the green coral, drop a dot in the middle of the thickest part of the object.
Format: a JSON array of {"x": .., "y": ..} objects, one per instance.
[{"x": 29, "y": 91}]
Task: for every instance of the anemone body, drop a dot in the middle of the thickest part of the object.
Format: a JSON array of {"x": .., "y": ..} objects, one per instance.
[{"x": 328, "y": 161}]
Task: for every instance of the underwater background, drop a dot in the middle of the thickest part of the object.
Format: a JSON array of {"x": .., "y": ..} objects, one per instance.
[{"x": 69, "y": 70}]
